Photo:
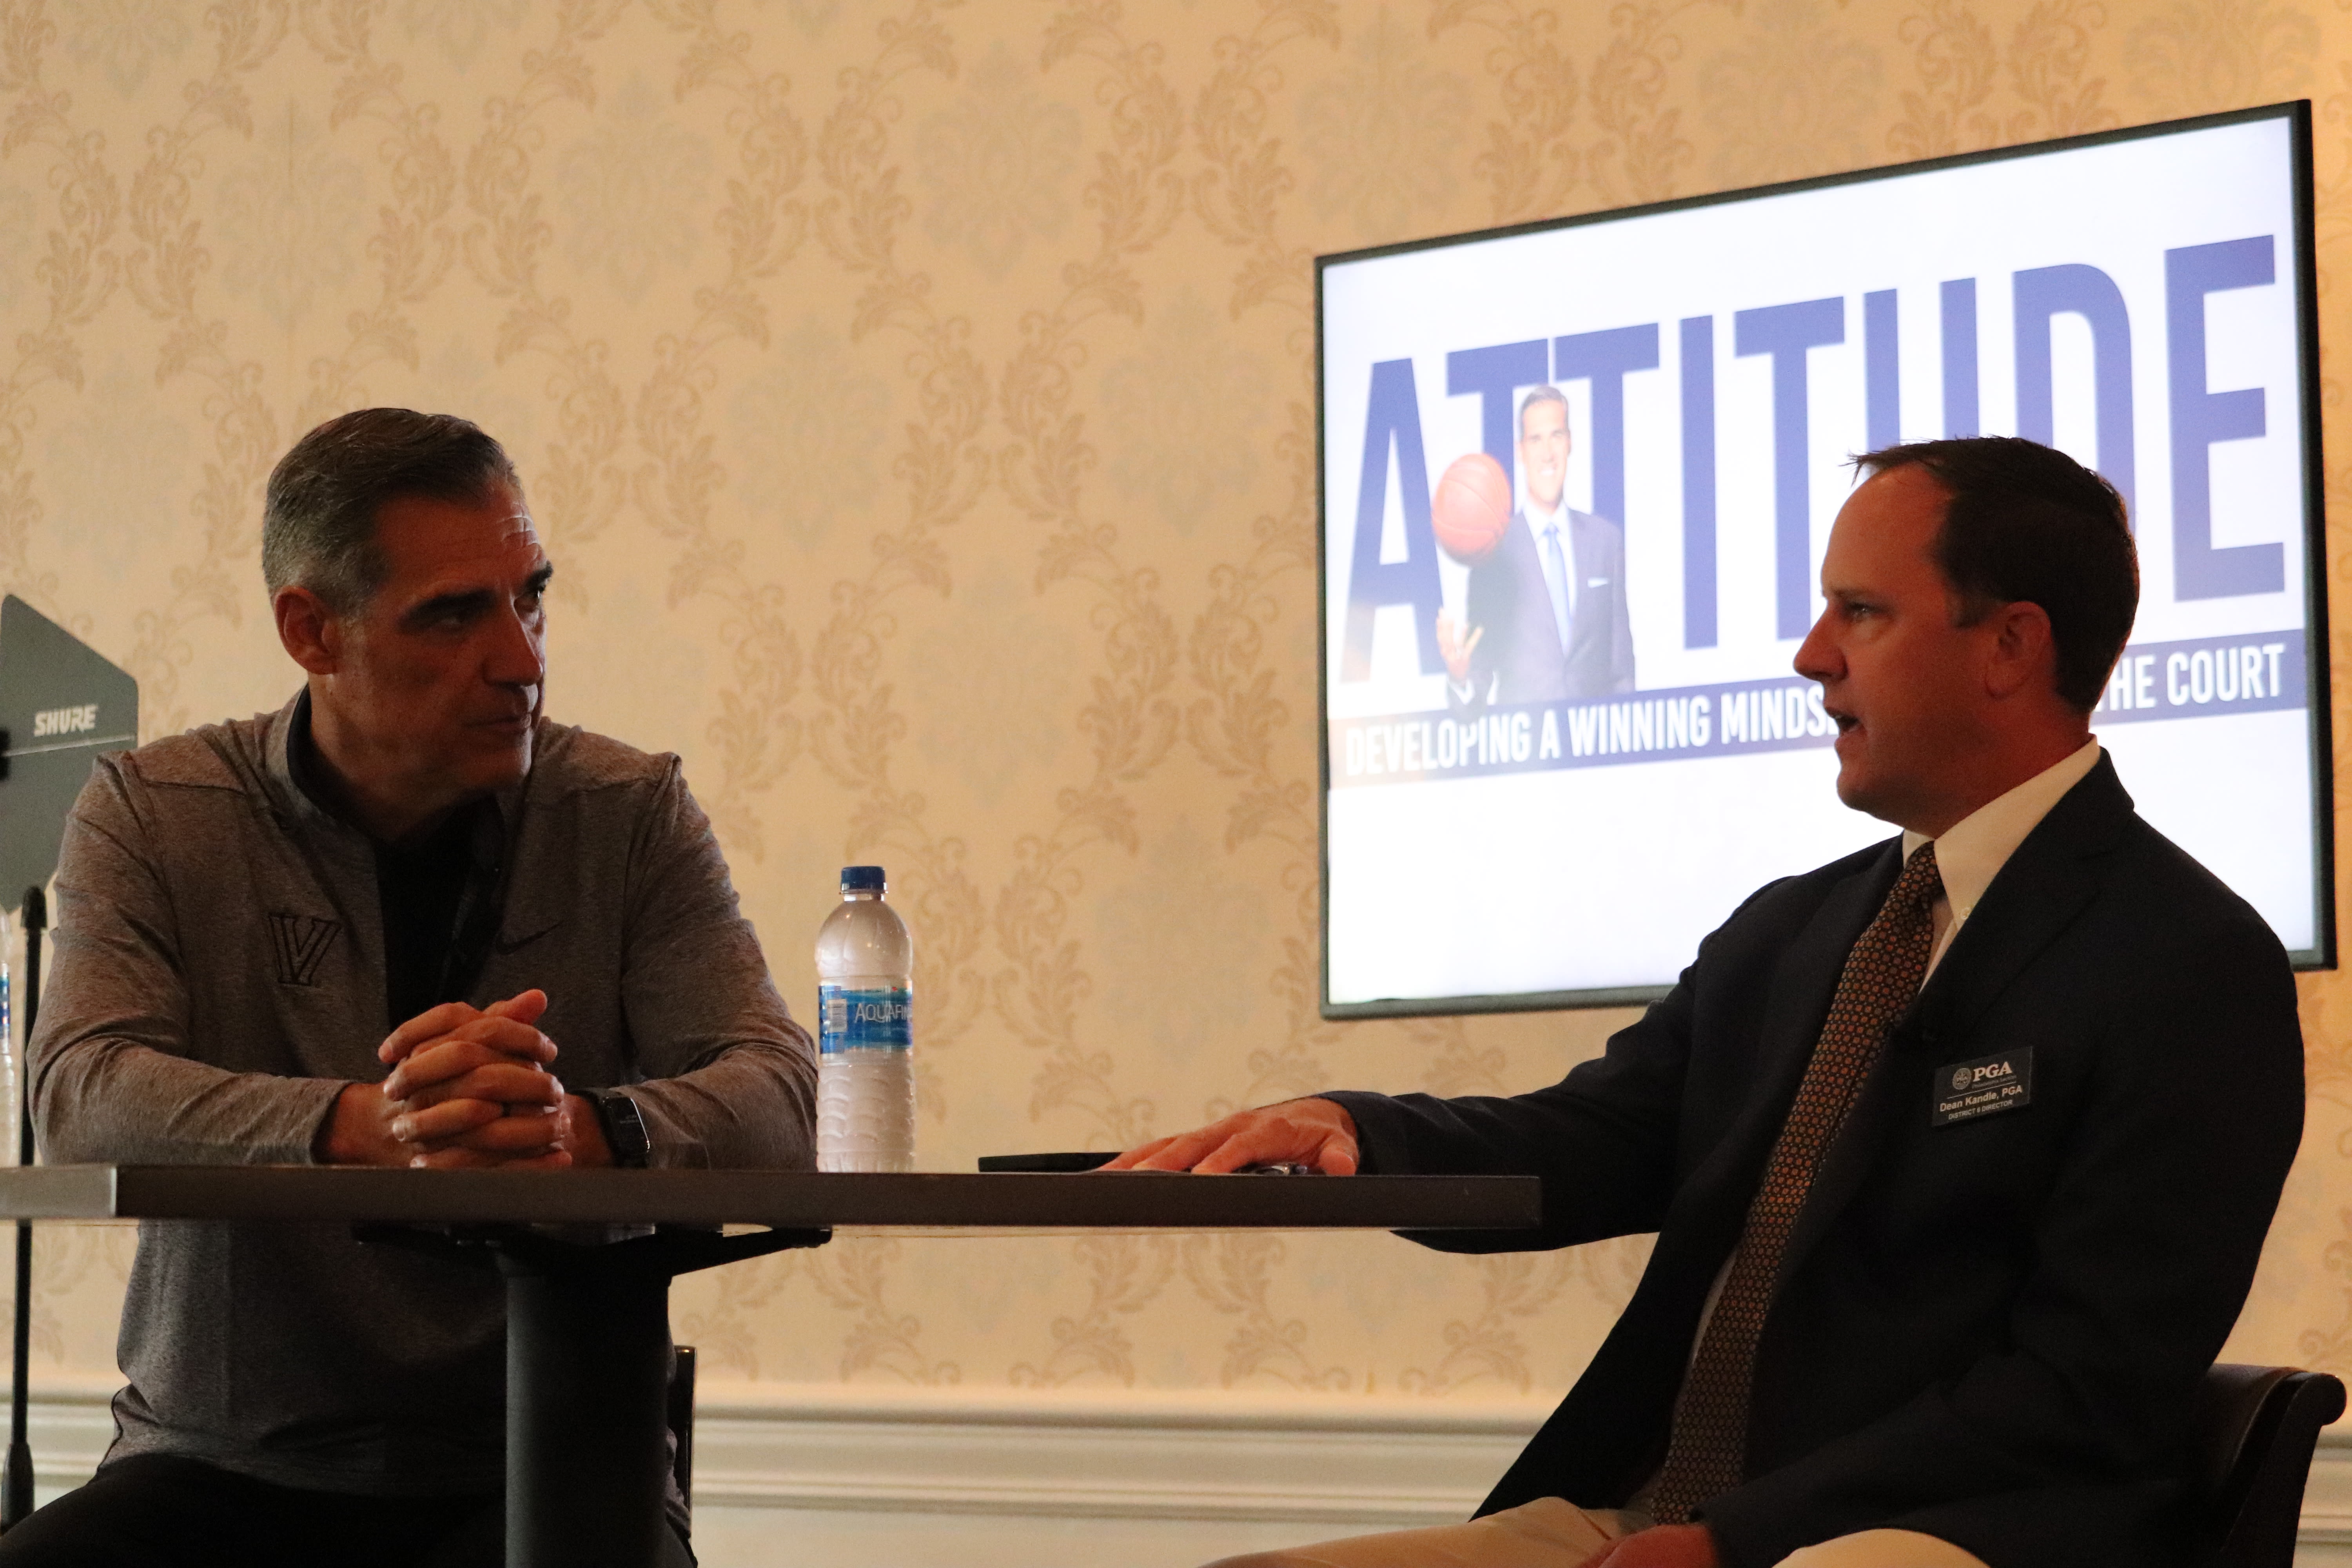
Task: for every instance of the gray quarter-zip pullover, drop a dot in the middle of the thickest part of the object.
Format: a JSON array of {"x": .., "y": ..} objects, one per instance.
[{"x": 219, "y": 976}]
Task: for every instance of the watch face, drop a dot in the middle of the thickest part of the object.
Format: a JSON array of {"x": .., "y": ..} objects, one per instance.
[{"x": 625, "y": 1129}]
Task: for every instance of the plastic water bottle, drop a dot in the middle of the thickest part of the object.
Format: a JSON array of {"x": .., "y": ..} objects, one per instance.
[{"x": 866, "y": 1066}]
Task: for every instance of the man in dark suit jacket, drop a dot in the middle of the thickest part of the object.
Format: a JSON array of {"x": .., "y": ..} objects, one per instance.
[
  {"x": 1515, "y": 649},
  {"x": 2031, "y": 1224}
]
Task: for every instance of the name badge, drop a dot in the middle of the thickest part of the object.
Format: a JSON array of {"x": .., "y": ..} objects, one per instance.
[{"x": 1985, "y": 1087}]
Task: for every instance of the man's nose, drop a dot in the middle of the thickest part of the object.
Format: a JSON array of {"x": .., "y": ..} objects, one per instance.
[
  {"x": 1815, "y": 660},
  {"x": 516, "y": 655}
]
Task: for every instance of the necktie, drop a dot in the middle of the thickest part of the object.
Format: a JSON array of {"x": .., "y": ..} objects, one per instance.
[
  {"x": 1555, "y": 570},
  {"x": 1707, "y": 1452}
]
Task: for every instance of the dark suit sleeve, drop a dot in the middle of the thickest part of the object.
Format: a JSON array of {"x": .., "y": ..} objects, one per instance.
[
  {"x": 2144, "y": 1252},
  {"x": 1603, "y": 1139}
]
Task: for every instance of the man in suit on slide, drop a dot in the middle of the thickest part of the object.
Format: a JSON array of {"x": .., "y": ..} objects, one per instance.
[
  {"x": 1959, "y": 1151},
  {"x": 1546, "y": 609}
]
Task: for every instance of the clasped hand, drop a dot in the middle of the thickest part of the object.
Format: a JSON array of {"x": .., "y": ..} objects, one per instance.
[{"x": 469, "y": 1087}]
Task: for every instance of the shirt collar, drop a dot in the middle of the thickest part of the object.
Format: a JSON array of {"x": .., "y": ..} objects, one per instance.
[
  {"x": 1555, "y": 517},
  {"x": 302, "y": 756},
  {"x": 305, "y": 771},
  {"x": 1972, "y": 851}
]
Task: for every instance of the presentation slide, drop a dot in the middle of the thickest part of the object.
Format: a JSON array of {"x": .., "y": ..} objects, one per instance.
[{"x": 1553, "y": 767}]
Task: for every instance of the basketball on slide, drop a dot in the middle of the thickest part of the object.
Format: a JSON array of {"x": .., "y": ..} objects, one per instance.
[{"x": 1472, "y": 507}]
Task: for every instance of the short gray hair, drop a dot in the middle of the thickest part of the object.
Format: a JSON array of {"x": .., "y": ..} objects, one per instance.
[
  {"x": 1544, "y": 394},
  {"x": 318, "y": 523}
]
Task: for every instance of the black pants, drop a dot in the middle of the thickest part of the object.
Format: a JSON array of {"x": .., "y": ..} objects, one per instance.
[{"x": 158, "y": 1511}]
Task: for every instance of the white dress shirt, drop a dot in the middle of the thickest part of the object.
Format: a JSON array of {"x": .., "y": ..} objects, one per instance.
[{"x": 1972, "y": 851}]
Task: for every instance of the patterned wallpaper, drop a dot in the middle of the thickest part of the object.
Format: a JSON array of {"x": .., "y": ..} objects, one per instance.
[{"x": 915, "y": 398}]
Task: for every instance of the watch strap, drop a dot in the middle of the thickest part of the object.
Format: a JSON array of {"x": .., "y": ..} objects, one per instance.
[{"x": 625, "y": 1128}]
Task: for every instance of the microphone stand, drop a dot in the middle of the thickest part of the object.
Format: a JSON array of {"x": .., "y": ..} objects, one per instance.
[{"x": 16, "y": 1478}]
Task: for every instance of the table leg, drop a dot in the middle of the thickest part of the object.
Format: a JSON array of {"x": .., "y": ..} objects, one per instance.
[
  {"x": 587, "y": 1380},
  {"x": 587, "y": 1371}
]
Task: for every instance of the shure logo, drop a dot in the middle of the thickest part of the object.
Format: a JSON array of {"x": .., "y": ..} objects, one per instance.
[{"x": 66, "y": 720}]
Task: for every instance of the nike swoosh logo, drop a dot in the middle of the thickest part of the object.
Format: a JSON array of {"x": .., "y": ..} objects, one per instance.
[{"x": 505, "y": 944}]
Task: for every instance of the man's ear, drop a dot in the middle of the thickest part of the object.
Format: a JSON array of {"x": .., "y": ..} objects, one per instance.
[
  {"x": 2024, "y": 654},
  {"x": 312, "y": 634}
]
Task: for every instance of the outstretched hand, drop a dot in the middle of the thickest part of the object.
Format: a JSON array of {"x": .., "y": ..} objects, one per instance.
[
  {"x": 1454, "y": 648},
  {"x": 1316, "y": 1133}
]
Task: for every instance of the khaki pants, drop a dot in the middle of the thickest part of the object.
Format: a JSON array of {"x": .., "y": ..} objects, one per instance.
[{"x": 1550, "y": 1533}]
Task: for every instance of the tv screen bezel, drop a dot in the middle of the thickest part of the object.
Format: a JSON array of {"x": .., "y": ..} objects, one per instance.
[{"x": 2296, "y": 114}]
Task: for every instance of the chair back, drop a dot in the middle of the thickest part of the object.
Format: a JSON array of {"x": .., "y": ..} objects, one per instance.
[{"x": 2255, "y": 1429}]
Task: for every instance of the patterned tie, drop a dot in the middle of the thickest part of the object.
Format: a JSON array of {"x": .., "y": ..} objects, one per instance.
[
  {"x": 1709, "y": 1450},
  {"x": 1555, "y": 570}
]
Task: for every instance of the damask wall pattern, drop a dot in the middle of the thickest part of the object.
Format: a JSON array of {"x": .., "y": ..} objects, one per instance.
[{"x": 915, "y": 399}]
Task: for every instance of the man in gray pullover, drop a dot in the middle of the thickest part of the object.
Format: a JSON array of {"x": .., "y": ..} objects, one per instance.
[{"x": 406, "y": 919}]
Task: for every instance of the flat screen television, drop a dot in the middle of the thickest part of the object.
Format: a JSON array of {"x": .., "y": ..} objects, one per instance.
[{"x": 1560, "y": 828}]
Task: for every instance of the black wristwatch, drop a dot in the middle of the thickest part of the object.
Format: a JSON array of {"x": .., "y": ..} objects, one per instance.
[{"x": 623, "y": 1125}]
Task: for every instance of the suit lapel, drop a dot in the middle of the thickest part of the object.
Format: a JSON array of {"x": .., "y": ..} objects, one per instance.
[
  {"x": 1596, "y": 550},
  {"x": 1580, "y": 566},
  {"x": 2033, "y": 898},
  {"x": 2037, "y": 894}
]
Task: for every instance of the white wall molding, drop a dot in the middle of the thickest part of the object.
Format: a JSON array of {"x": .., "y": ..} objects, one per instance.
[
  {"x": 2325, "y": 1536},
  {"x": 1307, "y": 1463},
  {"x": 67, "y": 1426},
  {"x": 828, "y": 1476}
]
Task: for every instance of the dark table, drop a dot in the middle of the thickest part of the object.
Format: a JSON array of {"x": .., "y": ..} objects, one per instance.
[{"x": 588, "y": 1256}]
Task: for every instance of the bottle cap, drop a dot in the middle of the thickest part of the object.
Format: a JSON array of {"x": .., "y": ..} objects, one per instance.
[{"x": 863, "y": 880}]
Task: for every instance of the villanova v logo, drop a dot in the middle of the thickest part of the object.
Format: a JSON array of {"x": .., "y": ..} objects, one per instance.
[{"x": 301, "y": 943}]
